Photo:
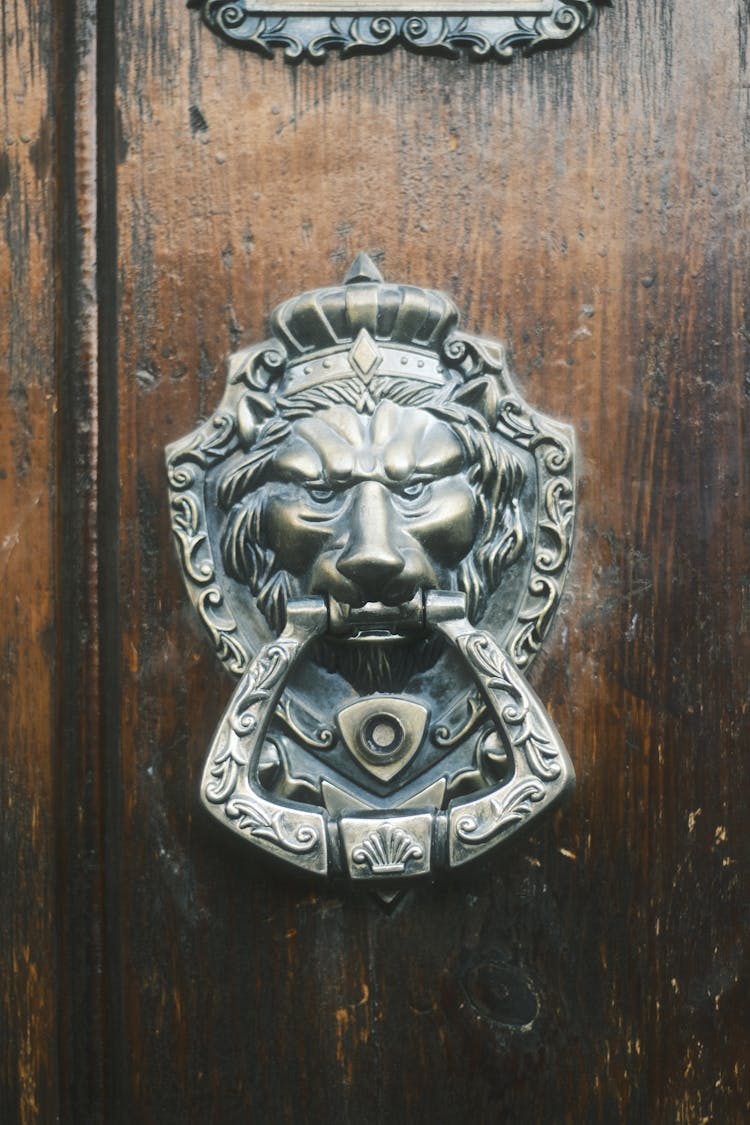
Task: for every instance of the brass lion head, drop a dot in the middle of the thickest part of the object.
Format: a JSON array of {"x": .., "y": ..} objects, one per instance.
[
  {"x": 373, "y": 501},
  {"x": 369, "y": 470}
]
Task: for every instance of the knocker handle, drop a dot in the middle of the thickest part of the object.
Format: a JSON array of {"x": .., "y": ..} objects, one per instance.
[
  {"x": 230, "y": 789},
  {"x": 542, "y": 772}
]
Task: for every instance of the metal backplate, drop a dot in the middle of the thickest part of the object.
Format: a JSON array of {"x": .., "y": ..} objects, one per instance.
[
  {"x": 375, "y": 528},
  {"x": 490, "y": 29}
]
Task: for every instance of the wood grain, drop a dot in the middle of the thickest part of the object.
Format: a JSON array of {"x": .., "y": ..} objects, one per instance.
[
  {"x": 28, "y": 972},
  {"x": 589, "y": 206}
]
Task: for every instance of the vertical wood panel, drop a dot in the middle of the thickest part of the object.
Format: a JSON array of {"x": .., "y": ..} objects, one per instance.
[
  {"x": 590, "y": 206},
  {"x": 81, "y": 744},
  {"x": 28, "y": 973}
]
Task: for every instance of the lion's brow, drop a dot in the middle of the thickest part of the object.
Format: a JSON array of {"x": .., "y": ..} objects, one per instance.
[
  {"x": 343, "y": 426},
  {"x": 321, "y": 451}
]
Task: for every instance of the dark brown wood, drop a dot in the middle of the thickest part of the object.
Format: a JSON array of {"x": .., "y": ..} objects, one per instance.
[
  {"x": 28, "y": 971},
  {"x": 590, "y": 206},
  {"x": 78, "y": 760}
]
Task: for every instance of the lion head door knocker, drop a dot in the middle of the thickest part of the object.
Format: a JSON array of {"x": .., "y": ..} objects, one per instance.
[{"x": 375, "y": 529}]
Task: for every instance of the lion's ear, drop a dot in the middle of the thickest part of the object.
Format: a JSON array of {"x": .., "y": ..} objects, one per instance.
[
  {"x": 480, "y": 394},
  {"x": 252, "y": 411}
]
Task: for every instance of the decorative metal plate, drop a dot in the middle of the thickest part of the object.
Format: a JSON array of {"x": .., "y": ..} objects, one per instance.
[
  {"x": 375, "y": 528},
  {"x": 490, "y": 29}
]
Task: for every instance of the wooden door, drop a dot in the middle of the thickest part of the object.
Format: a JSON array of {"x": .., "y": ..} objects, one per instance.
[{"x": 161, "y": 191}]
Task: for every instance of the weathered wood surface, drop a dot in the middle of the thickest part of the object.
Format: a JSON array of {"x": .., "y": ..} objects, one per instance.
[
  {"x": 28, "y": 972},
  {"x": 590, "y": 206}
]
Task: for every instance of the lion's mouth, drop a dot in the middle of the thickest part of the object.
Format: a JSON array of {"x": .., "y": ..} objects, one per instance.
[
  {"x": 376, "y": 621},
  {"x": 378, "y": 647}
]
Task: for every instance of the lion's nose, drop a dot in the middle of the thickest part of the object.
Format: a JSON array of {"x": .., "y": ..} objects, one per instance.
[{"x": 369, "y": 558}]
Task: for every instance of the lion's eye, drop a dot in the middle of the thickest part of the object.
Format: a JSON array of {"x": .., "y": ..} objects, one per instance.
[
  {"x": 321, "y": 495},
  {"x": 413, "y": 491}
]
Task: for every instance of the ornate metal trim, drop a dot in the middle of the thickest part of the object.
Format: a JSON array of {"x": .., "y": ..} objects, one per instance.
[
  {"x": 375, "y": 528},
  {"x": 493, "y": 29}
]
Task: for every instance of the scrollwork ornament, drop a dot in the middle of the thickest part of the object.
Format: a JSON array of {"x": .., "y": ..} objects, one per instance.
[
  {"x": 492, "y": 29},
  {"x": 254, "y": 819},
  {"x": 375, "y": 529},
  {"x": 513, "y": 806}
]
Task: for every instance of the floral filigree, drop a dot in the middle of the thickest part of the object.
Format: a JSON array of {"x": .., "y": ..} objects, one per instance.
[
  {"x": 250, "y": 817},
  {"x": 487, "y": 32},
  {"x": 510, "y": 806}
]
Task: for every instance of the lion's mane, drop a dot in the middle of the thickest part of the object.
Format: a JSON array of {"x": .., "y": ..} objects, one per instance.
[{"x": 495, "y": 473}]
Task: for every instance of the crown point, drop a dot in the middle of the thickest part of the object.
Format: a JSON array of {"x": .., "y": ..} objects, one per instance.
[{"x": 362, "y": 269}]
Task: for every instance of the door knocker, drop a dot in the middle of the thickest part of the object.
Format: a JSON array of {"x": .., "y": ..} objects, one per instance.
[{"x": 375, "y": 529}]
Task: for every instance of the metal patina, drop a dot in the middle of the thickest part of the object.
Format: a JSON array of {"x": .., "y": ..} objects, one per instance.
[
  {"x": 490, "y": 29},
  {"x": 375, "y": 529}
]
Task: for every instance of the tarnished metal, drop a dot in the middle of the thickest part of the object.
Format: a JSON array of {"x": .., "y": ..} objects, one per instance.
[
  {"x": 488, "y": 29},
  {"x": 375, "y": 529}
]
